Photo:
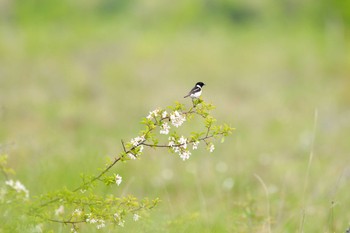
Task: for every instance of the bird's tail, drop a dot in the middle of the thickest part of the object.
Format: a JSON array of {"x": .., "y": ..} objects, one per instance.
[{"x": 187, "y": 96}]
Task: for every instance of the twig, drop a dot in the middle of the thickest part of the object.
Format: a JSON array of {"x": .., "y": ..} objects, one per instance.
[
  {"x": 100, "y": 175},
  {"x": 123, "y": 145},
  {"x": 65, "y": 222},
  {"x": 181, "y": 144}
]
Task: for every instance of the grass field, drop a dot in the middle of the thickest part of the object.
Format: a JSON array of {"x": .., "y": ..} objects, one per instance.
[{"x": 70, "y": 91}]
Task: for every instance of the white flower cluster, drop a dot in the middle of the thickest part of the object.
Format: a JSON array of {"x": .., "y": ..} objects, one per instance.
[
  {"x": 77, "y": 212},
  {"x": 59, "y": 211},
  {"x": 118, "y": 179},
  {"x": 180, "y": 147},
  {"x": 211, "y": 148},
  {"x": 100, "y": 222},
  {"x": 164, "y": 128},
  {"x": 177, "y": 119},
  {"x": 138, "y": 140},
  {"x": 185, "y": 155},
  {"x": 89, "y": 219},
  {"x": 136, "y": 217},
  {"x": 153, "y": 114},
  {"x": 119, "y": 220},
  {"x": 18, "y": 186},
  {"x": 172, "y": 144},
  {"x": 136, "y": 143},
  {"x": 132, "y": 156},
  {"x": 195, "y": 145}
]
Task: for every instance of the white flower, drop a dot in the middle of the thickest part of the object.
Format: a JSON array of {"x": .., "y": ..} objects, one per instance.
[
  {"x": 173, "y": 145},
  {"x": 89, "y": 219},
  {"x": 59, "y": 210},
  {"x": 118, "y": 179},
  {"x": 141, "y": 149},
  {"x": 211, "y": 148},
  {"x": 18, "y": 186},
  {"x": 195, "y": 145},
  {"x": 132, "y": 156},
  {"x": 177, "y": 119},
  {"x": 136, "y": 141},
  {"x": 9, "y": 183},
  {"x": 73, "y": 230},
  {"x": 164, "y": 114},
  {"x": 183, "y": 142},
  {"x": 171, "y": 141},
  {"x": 77, "y": 212},
  {"x": 153, "y": 113},
  {"x": 136, "y": 217},
  {"x": 121, "y": 223},
  {"x": 92, "y": 221},
  {"x": 185, "y": 155},
  {"x": 82, "y": 190},
  {"x": 180, "y": 146},
  {"x": 101, "y": 224},
  {"x": 164, "y": 128}
]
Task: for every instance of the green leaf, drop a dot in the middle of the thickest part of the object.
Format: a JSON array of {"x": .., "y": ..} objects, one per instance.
[{"x": 222, "y": 140}]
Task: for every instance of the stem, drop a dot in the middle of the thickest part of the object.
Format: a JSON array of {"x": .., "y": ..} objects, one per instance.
[
  {"x": 123, "y": 145},
  {"x": 179, "y": 145},
  {"x": 99, "y": 176},
  {"x": 65, "y": 222}
]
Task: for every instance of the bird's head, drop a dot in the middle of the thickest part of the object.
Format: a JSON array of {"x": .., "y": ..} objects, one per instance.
[{"x": 200, "y": 84}]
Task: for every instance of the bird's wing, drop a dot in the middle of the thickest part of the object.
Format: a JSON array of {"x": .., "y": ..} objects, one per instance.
[{"x": 194, "y": 90}]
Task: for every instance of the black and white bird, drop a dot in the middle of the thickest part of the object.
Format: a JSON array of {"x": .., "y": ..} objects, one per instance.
[{"x": 196, "y": 91}]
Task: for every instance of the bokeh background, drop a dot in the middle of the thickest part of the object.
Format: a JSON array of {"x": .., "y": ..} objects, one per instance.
[{"x": 76, "y": 77}]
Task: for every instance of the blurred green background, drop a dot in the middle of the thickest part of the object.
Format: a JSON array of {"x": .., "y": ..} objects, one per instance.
[{"x": 76, "y": 77}]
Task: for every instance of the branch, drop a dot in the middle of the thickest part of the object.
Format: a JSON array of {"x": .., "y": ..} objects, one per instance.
[
  {"x": 203, "y": 112},
  {"x": 181, "y": 144},
  {"x": 99, "y": 176},
  {"x": 65, "y": 222},
  {"x": 123, "y": 145}
]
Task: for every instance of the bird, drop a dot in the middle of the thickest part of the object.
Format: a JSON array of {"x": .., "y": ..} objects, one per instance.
[{"x": 196, "y": 91}]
